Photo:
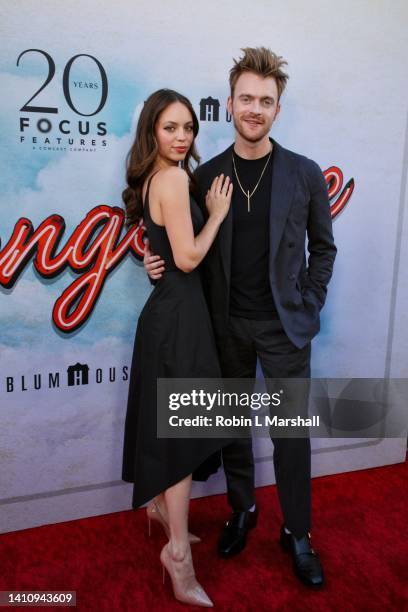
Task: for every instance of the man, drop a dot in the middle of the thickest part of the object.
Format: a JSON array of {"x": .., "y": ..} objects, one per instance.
[{"x": 263, "y": 298}]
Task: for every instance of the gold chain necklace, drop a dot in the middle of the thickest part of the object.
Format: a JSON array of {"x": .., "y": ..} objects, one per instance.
[{"x": 246, "y": 193}]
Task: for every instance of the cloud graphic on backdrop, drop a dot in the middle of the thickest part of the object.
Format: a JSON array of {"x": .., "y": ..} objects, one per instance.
[
  {"x": 96, "y": 245},
  {"x": 48, "y": 232}
]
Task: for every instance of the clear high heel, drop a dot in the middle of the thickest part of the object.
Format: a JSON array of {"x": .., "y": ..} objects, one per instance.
[
  {"x": 153, "y": 514},
  {"x": 185, "y": 586}
]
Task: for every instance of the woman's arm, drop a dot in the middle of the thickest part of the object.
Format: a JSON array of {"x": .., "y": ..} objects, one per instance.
[{"x": 173, "y": 195}]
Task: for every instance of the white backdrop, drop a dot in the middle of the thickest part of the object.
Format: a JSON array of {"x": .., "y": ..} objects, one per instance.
[{"x": 345, "y": 106}]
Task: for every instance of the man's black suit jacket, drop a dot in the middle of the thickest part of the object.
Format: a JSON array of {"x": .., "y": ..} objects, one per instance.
[{"x": 299, "y": 209}]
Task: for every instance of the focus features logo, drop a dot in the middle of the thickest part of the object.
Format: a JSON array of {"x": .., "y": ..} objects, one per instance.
[{"x": 43, "y": 126}]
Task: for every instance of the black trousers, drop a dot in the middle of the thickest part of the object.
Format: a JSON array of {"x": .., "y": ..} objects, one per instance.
[{"x": 248, "y": 339}]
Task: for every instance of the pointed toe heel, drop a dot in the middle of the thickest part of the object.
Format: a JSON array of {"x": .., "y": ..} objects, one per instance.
[{"x": 186, "y": 589}]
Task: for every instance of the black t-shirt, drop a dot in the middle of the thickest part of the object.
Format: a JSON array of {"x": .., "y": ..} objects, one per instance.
[{"x": 250, "y": 291}]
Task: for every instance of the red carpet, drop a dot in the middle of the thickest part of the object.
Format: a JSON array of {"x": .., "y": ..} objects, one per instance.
[{"x": 360, "y": 531}]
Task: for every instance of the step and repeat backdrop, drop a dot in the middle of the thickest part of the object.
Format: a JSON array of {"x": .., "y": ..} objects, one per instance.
[{"x": 74, "y": 77}]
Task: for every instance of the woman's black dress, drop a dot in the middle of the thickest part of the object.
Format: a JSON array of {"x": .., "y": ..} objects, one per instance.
[{"x": 174, "y": 339}]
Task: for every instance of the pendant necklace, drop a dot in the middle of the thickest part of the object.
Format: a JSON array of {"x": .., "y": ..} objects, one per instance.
[{"x": 249, "y": 194}]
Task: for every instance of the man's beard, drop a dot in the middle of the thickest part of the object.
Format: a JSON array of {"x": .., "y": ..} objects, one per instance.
[{"x": 248, "y": 137}]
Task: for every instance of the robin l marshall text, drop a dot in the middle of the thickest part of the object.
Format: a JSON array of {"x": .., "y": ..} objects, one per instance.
[{"x": 235, "y": 421}]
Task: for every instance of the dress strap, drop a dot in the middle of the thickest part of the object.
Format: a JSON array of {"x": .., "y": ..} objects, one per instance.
[{"x": 148, "y": 187}]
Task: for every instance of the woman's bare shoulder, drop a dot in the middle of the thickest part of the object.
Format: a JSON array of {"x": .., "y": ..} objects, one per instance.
[{"x": 174, "y": 175}]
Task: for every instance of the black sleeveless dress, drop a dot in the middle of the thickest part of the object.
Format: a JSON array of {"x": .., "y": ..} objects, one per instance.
[{"x": 174, "y": 339}]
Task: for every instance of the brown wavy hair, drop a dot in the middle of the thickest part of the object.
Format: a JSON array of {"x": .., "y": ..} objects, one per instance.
[
  {"x": 143, "y": 153},
  {"x": 262, "y": 61}
]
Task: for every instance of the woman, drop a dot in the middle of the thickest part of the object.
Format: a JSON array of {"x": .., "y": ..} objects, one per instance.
[{"x": 174, "y": 336}]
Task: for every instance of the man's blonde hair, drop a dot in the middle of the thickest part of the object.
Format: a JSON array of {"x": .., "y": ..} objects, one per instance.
[{"x": 262, "y": 61}]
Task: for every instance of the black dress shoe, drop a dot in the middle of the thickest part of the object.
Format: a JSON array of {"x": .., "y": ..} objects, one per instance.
[
  {"x": 234, "y": 535},
  {"x": 306, "y": 562}
]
